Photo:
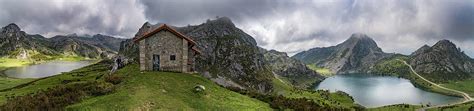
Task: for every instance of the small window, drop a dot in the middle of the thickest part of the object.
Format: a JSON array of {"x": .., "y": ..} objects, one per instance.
[{"x": 172, "y": 57}]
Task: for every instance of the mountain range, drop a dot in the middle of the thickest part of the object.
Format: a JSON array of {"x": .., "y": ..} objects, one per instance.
[
  {"x": 354, "y": 55},
  {"x": 359, "y": 54},
  {"x": 16, "y": 43}
]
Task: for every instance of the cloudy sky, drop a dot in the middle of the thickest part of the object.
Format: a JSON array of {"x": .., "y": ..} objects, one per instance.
[{"x": 290, "y": 26}]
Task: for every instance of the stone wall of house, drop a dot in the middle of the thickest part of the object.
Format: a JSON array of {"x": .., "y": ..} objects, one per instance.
[
  {"x": 142, "y": 57},
  {"x": 165, "y": 44},
  {"x": 185, "y": 56},
  {"x": 191, "y": 59}
]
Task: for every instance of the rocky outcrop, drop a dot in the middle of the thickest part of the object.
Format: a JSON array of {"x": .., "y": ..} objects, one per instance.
[
  {"x": 129, "y": 49},
  {"x": 291, "y": 69},
  {"x": 442, "y": 62},
  {"x": 355, "y": 55}
]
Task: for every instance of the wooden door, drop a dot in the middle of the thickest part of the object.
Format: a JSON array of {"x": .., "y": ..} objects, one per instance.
[{"x": 156, "y": 62}]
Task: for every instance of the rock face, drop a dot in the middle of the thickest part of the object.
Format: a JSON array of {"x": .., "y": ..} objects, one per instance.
[
  {"x": 17, "y": 43},
  {"x": 355, "y": 55},
  {"x": 443, "y": 61},
  {"x": 291, "y": 69},
  {"x": 129, "y": 50},
  {"x": 230, "y": 57}
]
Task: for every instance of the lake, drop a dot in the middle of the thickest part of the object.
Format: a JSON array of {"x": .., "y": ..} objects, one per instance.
[
  {"x": 45, "y": 69},
  {"x": 375, "y": 91}
]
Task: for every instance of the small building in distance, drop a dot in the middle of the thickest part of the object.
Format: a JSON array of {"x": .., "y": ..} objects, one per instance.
[{"x": 165, "y": 49}]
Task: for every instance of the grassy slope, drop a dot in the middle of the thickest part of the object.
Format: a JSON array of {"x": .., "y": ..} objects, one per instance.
[
  {"x": 6, "y": 63},
  {"x": 465, "y": 86},
  {"x": 147, "y": 90},
  {"x": 323, "y": 71},
  {"x": 321, "y": 97},
  {"x": 89, "y": 73},
  {"x": 6, "y": 82},
  {"x": 462, "y": 107},
  {"x": 154, "y": 90}
]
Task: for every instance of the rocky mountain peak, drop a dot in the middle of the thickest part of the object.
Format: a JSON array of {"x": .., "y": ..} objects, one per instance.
[
  {"x": 360, "y": 41},
  {"x": 442, "y": 59},
  {"x": 223, "y": 20},
  {"x": 425, "y": 46},
  {"x": 72, "y": 35},
  {"x": 445, "y": 45},
  {"x": 356, "y": 54},
  {"x": 421, "y": 50},
  {"x": 11, "y": 28},
  {"x": 277, "y": 52},
  {"x": 220, "y": 27},
  {"x": 360, "y": 38}
]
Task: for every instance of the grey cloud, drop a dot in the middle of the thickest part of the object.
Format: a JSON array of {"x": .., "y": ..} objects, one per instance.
[
  {"x": 397, "y": 25},
  {"x": 285, "y": 25},
  {"x": 119, "y": 18},
  {"x": 182, "y": 12}
]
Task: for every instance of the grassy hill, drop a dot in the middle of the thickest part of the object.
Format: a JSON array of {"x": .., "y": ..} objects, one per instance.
[
  {"x": 461, "y": 107},
  {"x": 323, "y": 71},
  {"x": 464, "y": 85},
  {"x": 166, "y": 90},
  {"x": 338, "y": 100},
  {"x": 90, "y": 88}
]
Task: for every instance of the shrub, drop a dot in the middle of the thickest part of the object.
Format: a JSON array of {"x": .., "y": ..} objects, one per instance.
[
  {"x": 58, "y": 97},
  {"x": 282, "y": 102},
  {"x": 114, "y": 79}
]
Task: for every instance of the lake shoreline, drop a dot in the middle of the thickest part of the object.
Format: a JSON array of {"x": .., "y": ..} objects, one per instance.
[
  {"x": 45, "y": 69},
  {"x": 386, "y": 87},
  {"x": 416, "y": 84},
  {"x": 28, "y": 62}
]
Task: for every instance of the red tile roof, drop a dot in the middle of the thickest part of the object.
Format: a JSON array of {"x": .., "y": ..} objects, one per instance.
[
  {"x": 167, "y": 28},
  {"x": 164, "y": 27}
]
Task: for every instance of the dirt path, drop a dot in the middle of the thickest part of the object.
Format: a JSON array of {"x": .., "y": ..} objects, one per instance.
[{"x": 466, "y": 96}]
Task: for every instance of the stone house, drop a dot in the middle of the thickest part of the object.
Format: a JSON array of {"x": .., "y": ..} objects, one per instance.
[{"x": 165, "y": 49}]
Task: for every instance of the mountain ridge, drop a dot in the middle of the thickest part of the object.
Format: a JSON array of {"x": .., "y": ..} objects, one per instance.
[
  {"x": 354, "y": 55},
  {"x": 443, "y": 61},
  {"x": 18, "y": 44}
]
